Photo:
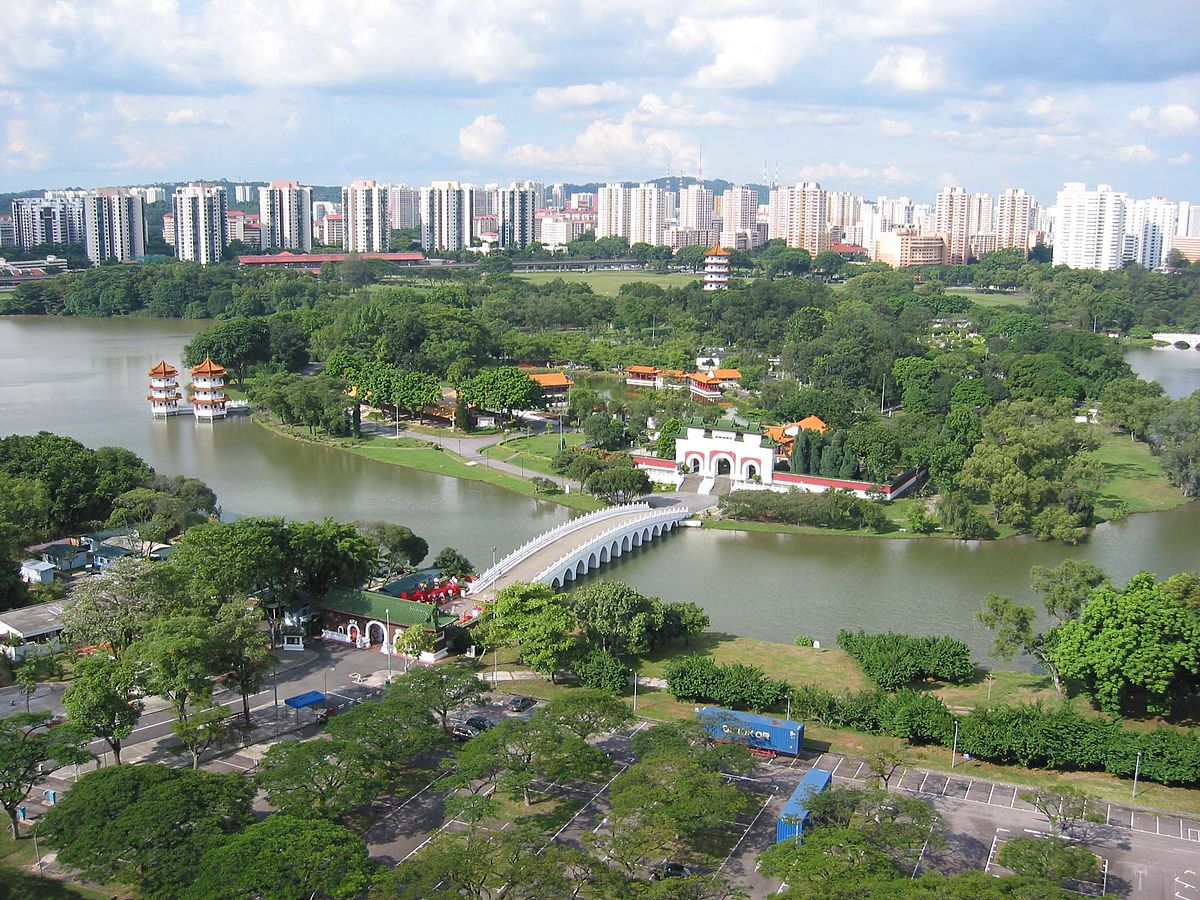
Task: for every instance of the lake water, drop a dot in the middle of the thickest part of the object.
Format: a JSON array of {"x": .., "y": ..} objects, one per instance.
[{"x": 87, "y": 378}]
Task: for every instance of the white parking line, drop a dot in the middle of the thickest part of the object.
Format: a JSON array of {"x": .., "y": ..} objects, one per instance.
[
  {"x": 922, "y": 787},
  {"x": 761, "y": 810}
]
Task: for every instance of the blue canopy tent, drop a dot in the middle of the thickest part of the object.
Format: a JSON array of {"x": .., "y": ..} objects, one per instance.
[{"x": 305, "y": 700}]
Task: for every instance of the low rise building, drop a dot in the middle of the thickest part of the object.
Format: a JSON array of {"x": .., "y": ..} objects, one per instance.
[
  {"x": 555, "y": 386},
  {"x": 905, "y": 247},
  {"x": 32, "y": 630},
  {"x": 374, "y": 621}
]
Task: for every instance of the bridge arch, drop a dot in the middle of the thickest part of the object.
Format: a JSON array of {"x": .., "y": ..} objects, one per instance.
[
  {"x": 593, "y": 561},
  {"x": 626, "y": 544}
]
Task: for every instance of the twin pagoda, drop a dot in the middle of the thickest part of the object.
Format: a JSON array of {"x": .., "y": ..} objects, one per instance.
[{"x": 206, "y": 396}]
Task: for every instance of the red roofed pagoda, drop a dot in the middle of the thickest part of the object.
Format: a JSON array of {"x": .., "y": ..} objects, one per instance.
[
  {"x": 164, "y": 393},
  {"x": 208, "y": 390}
]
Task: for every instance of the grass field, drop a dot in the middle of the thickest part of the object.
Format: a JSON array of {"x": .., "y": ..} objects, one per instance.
[
  {"x": 610, "y": 281},
  {"x": 17, "y": 881},
  {"x": 534, "y": 452},
  {"x": 415, "y": 454},
  {"x": 1135, "y": 478},
  {"x": 1016, "y": 298}
]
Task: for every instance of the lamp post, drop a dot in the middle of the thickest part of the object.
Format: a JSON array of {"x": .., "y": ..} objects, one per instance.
[
  {"x": 387, "y": 648},
  {"x": 1137, "y": 770},
  {"x": 635, "y": 690},
  {"x": 954, "y": 750},
  {"x": 275, "y": 682},
  {"x": 494, "y": 549},
  {"x": 789, "y": 712},
  {"x": 36, "y": 850}
]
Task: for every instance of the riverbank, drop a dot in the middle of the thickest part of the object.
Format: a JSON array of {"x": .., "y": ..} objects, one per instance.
[
  {"x": 425, "y": 456},
  {"x": 834, "y": 670}
]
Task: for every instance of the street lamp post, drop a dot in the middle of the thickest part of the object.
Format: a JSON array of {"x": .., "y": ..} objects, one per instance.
[
  {"x": 954, "y": 751},
  {"x": 387, "y": 637},
  {"x": 635, "y": 690},
  {"x": 36, "y": 850},
  {"x": 494, "y": 549},
  {"x": 1137, "y": 770},
  {"x": 789, "y": 712},
  {"x": 275, "y": 683}
]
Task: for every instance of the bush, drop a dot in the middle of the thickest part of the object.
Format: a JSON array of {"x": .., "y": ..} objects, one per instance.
[
  {"x": 894, "y": 660},
  {"x": 545, "y": 485},
  {"x": 736, "y": 686},
  {"x": 804, "y": 640},
  {"x": 602, "y": 671},
  {"x": 831, "y": 509}
]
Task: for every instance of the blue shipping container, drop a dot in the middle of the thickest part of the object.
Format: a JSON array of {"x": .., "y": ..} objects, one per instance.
[
  {"x": 763, "y": 732},
  {"x": 795, "y": 811}
]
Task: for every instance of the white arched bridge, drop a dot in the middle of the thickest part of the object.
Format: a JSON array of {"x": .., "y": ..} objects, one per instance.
[
  {"x": 580, "y": 545},
  {"x": 1179, "y": 340}
]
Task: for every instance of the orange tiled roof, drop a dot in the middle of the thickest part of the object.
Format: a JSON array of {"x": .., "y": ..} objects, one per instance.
[
  {"x": 716, "y": 251},
  {"x": 552, "y": 379},
  {"x": 674, "y": 373},
  {"x": 727, "y": 374},
  {"x": 163, "y": 370},
  {"x": 704, "y": 379},
  {"x": 208, "y": 367},
  {"x": 642, "y": 370},
  {"x": 785, "y": 434}
]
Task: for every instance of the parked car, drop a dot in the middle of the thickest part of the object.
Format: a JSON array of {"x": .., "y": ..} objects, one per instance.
[
  {"x": 479, "y": 723},
  {"x": 670, "y": 870},
  {"x": 464, "y": 732},
  {"x": 520, "y": 704}
]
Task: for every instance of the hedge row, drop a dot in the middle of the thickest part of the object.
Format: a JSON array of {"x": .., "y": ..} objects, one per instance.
[
  {"x": 894, "y": 660},
  {"x": 1027, "y": 735},
  {"x": 831, "y": 509},
  {"x": 737, "y": 686}
]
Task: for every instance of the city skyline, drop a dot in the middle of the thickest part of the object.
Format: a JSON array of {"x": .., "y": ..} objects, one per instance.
[{"x": 901, "y": 98}]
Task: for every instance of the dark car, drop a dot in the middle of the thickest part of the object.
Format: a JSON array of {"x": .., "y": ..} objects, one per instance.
[
  {"x": 670, "y": 870},
  {"x": 520, "y": 704},
  {"x": 479, "y": 723},
  {"x": 463, "y": 732}
]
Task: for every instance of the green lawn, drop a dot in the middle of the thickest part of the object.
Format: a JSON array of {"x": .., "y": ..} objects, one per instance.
[
  {"x": 416, "y": 454},
  {"x": 1016, "y": 298},
  {"x": 534, "y": 452},
  {"x": 1135, "y": 478},
  {"x": 897, "y": 510},
  {"x": 610, "y": 281},
  {"x": 18, "y": 881}
]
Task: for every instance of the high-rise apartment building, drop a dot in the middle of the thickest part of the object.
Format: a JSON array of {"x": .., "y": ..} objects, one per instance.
[
  {"x": 8, "y": 231},
  {"x": 404, "y": 206},
  {"x": 981, "y": 217},
  {"x": 1089, "y": 227},
  {"x": 844, "y": 209},
  {"x": 243, "y": 193},
  {"x": 285, "y": 216},
  {"x": 364, "y": 217},
  {"x": 517, "y": 219},
  {"x": 696, "y": 207},
  {"x": 447, "y": 211},
  {"x": 114, "y": 225},
  {"x": 779, "y": 204},
  {"x": 952, "y": 220},
  {"x": 557, "y": 198},
  {"x": 808, "y": 218},
  {"x": 647, "y": 214},
  {"x": 200, "y": 210},
  {"x": 739, "y": 208},
  {"x": 1152, "y": 225},
  {"x": 48, "y": 220},
  {"x": 612, "y": 211},
  {"x": 1014, "y": 212}
]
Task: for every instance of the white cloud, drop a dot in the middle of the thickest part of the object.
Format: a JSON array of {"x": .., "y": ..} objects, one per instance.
[
  {"x": 844, "y": 171},
  {"x": 577, "y": 95},
  {"x": 189, "y": 116},
  {"x": 1136, "y": 153},
  {"x": 746, "y": 51},
  {"x": 654, "y": 110},
  {"x": 816, "y": 117},
  {"x": 1174, "y": 118},
  {"x": 607, "y": 145},
  {"x": 23, "y": 149},
  {"x": 907, "y": 69},
  {"x": 482, "y": 139},
  {"x": 894, "y": 128},
  {"x": 1181, "y": 160}
]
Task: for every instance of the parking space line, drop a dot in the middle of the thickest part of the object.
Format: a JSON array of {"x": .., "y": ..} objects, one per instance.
[
  {"x": 992, "y": 791},
  {"x": 1013, "y": 804},
  {"x": 858, "y": 771},
  {"x": 841, "y": 759},
  {"x": 945, "y": 786},
  {"x": 923, "y": 780},
  {"x": 1108, "y": 815},
  {"x": 749, "y": 827}
]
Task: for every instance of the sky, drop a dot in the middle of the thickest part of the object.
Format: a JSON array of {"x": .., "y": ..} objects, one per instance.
[{"x": 898, "y": 97}]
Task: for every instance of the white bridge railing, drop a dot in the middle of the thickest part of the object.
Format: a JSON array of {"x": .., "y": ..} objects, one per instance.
[
  {"x": 546, "y": 538},
  {"x": 600, "y": 541}
]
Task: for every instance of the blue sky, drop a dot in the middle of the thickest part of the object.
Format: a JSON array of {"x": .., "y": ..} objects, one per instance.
[{"x": 875, "y": 97}]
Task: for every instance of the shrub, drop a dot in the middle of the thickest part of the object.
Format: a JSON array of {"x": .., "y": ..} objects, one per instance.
[
  {"x": 603, "y": 671},
  {"x": 894, "y": 660},
  {"x": 803, "y": 640},
  {"x": 831, "y": 509},
  {"x": 736, "y": 686}
]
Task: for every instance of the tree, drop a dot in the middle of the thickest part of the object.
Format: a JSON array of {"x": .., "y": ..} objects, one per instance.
[
  {"x": 228, "y": 561},
  {"x": 103, "y": 700},
  {"x": 503, "y": 389},
  {"x": 1133, "y": 649},
  {"x": 826, "y": 860},
  {"x": 618, "y": 484},
  {"x": 605, "y": 431},
  {"x": 1132, "y": 405},
  {"x": 617, "y": 618},
  {"x": 535, "y": 620},
  {"x": 112, "y": 610},
  {"x": 1175, "y": 435},
  {"x": 234, "y": 343},
  {"x": 379, "y": 740},
  {"x": 452, "y": 564},
  {"x": 175, "y": 658},
  {"x": 1013, "y": 625},
  {"x": 883, "y": 762},
  {"x": 26, "y": 678},
  {"x": 200, "y": 730},
  {"x": 439, "y": 689},
  {"x": 1051, "y": 858},
  {"x": 518, "y": 752},
  {"x": 683, "y": 620},
  {"x": 398, "y": 546},
  {"x": 26, "y": 743},
  {"x": 314, "y": 778},
  {"x": 587, "y": 712},
  {"x": 243, "y": 654},
  {"x": 147, "y": 825},
  {"x": 285, "y": 858},
  {"x": 893, "y": 824},
  {"x": 1064, "y": 807},
  {"x": 328, "y": 553}
]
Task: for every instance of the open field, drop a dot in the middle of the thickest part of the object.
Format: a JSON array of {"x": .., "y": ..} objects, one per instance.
[
  {"x": 1135, "y": 478},
  {"x": 610, "y": 281},
  {"x": 534, "y": 452},
  {"x": 15, "y": 856},
  {"x": 1015, "y": 298}
]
